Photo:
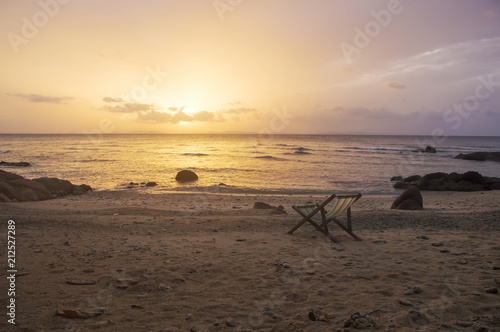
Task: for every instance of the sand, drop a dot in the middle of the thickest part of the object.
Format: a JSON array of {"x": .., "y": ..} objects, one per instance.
[{"x": 133, "y": 261}]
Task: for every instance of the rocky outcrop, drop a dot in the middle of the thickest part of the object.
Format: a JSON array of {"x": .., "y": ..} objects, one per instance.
[
  {"x": 7, "y": 176},
  {"x": 135, "y": 185},
  {"x": 469, "y": 181},
  {"x": 429, "y": 149},
  {"x": 15, "y": 164},
  {"x": 60, "y": 187},
  {"x": 186, "y": 176},
  {"x": 14, "y": 187},
  {"x": 410, "y": 199},
  {"x": 480, "y": 156}
]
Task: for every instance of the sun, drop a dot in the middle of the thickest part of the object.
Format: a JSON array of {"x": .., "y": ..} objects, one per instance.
[{"x": 189, "y": 110}]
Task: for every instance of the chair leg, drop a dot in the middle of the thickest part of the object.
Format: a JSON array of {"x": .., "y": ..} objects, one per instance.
[
  {"x": 349, "y": 231},
  {"x": 323, "y": 228},
  {"x": 332, "y": 238},
  {"x": 327, "y": 232},
  {"x": 349, "y": 224},
  {"x": 306, "y": 218},
  {"x": 297, "y": 226}
]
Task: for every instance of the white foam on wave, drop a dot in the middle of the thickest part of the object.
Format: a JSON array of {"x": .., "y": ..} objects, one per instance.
[{"x": 385, "y": 149}]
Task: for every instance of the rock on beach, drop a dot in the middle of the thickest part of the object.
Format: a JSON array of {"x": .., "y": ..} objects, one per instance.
[
  {"x": 410, "y": 199},
  {"x": 14, "y": 187}
]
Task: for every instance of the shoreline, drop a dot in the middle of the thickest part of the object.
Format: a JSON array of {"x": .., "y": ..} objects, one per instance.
[{"x": 180, "y": 262}]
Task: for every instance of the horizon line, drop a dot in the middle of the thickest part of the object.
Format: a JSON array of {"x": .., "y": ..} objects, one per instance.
[{"x": 248, "y": 133}]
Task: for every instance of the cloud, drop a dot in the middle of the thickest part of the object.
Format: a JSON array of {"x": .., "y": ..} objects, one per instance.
[
  {"x": 395, "y": 85},
  {"x": 152, "y": 113},
  {"x": 155, "y": 116},
  {"x": 446, "y": 64},
  {"x": 131, "y": 108},
  {"x": 451, "y": 58},
  {"x": 239, "y": 110},
  {"x": 113, "y": 100},
  {"x": 368, "y": 120},
  {"x": 35, "y": 98},
  {"x": 203, "y": 116},
  {"x": 364, "y": 112}
]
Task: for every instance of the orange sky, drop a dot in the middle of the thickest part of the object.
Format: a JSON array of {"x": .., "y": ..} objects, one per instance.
[{"x": 197, "y": 66}]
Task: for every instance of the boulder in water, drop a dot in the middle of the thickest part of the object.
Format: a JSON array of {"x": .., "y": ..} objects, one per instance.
[
  {"x": 186, "y": 176},
  {"x": 430, "y": 149},
  {"x": 468, "y": 181},
  {"x": 14, "y": 164},
  {"x": 480, "y": 156}
]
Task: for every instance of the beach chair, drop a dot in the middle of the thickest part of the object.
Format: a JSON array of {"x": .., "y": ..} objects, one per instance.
[{"x": 315, "y": 214}]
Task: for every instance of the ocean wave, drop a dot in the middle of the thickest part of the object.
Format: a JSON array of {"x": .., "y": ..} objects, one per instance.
[
  {"x": 297, "y": 152},
  {"x": 269, "y": 157},
  {"x": 384, "y": 149},
  {"x": 228, "y": 189},
  {"x": 300, "y": 150},
  {"x": 222, "y": 170},
  {"x": 2, "y": 152},
  {"x": 195, "y": 154},
  {"x": 94, "y": 160}
]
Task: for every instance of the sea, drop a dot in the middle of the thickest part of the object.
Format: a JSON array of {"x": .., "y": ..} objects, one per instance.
[{"x": 242, "y": 164}]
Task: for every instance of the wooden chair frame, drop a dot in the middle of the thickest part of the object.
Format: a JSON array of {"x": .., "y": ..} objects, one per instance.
[{"x": 323, "y": 227}]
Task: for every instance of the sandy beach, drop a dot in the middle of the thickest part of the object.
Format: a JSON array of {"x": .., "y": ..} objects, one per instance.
[{"x": 133, "y": 261}]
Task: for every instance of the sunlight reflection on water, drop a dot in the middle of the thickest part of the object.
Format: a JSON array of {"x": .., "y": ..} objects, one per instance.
[{"x": 243, "y": 163}]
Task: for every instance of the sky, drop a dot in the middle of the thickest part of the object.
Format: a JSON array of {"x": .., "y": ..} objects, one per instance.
[{"x": 393, "y": 67}]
